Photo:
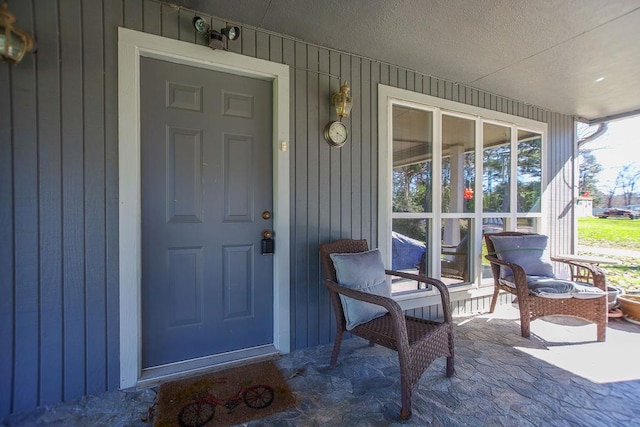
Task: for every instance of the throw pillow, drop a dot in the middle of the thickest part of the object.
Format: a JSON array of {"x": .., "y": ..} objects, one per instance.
[
  {"x": 528, "y": 251},
  {"x": 363, "y": 271}
]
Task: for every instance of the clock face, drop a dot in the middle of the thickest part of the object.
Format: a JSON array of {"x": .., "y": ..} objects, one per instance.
[{"x": 336, "y": 133}]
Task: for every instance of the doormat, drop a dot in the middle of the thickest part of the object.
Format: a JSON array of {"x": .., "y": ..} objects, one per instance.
[{"x": 224, "y": 398}]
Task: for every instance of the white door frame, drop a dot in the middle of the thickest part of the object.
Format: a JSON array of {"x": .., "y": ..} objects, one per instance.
[{"x": 131, "y": 46}]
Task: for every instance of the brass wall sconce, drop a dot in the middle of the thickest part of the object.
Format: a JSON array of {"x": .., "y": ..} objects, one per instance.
[
  {"x": 336, "y": 132},
  {"x": 342, "y": 101},
  {"x": 14, "y": 43},
  {"x": 217, "y": 39}
]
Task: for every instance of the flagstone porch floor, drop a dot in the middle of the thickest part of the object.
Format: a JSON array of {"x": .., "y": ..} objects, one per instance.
[{"x": 559, "y": 377}]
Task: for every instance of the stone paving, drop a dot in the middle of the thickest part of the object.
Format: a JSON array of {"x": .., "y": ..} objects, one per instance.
[{"x": 559, "y": 377}]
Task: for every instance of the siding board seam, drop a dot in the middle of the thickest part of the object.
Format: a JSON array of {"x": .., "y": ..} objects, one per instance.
[
  {"x": 37, "y": 210},
  {"x": 84, "y": 197},
  {"x": 61, "y": 247},
  {"x": 106, "y": 205},
  {"x": 13, "y": 244}
]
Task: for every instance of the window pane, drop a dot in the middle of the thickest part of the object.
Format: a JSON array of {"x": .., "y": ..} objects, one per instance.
[
  {"x": 527, "y": 225},
  {"x": 408, "y": 246},
  {"x": 408, "y": 251},
  {"x": 456, "y": 251},
  {"x": 458, "y": 164},
  {"x": 529, "y": 171},
  {"x": 412, "y": 159},
  {"x": 490, "y": 225},
  {"x": 496, "y": 160}
]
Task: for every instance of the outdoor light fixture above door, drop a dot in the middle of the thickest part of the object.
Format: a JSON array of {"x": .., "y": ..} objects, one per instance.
[
  {"x": 14, "y": 43},
  {"x": 217, "y": 39}
]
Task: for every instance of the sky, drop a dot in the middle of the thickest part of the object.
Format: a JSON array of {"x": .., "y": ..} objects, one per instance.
[{"x": 618, "y": 147}]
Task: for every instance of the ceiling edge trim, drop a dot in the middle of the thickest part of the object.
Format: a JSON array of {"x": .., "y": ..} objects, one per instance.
[{"x": 609, "y": 118}]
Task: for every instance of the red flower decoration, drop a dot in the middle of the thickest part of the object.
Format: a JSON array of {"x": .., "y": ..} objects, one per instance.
[{"x": 468, "y": 194}]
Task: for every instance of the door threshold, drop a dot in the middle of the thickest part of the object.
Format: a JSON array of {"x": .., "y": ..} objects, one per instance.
[{"x": 151, "y": 377}]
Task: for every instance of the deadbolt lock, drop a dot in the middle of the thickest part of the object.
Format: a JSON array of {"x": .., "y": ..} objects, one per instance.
[
  {"x": 266, "y": 215},
  {"x": 268, "y": 245}
]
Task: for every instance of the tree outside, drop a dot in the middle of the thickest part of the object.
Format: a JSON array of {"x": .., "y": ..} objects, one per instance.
[
  {"x": 612, "y": 178},
  {"x": 609, "y": 163}
]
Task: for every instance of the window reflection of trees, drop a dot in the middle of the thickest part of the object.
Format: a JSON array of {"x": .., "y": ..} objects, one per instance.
[
  {"x": 412, "y": 193},
  {"x": 469, "y": 170},
  {"x": 412, "y": 183},
  {"x": 495, "y": 184},
  {"x": 529, "y": 175},
  {"x": 412, "y": 188}
]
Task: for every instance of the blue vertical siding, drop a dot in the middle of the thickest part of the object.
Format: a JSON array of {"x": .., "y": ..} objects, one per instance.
[{"x": 59, "y": 320}]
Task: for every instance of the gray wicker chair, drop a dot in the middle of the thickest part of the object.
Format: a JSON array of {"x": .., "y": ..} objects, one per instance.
[
  {"x": 418, "y": 342},
  {"x": 533, "y": 307}
]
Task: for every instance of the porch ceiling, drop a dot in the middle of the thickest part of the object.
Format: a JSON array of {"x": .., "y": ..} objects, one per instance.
[{"x": 547, "y": 54}]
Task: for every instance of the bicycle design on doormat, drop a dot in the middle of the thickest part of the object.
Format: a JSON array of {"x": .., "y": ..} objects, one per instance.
[{"x": 200, "y": 411}]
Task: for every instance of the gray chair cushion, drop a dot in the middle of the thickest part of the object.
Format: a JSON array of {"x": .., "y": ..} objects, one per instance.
[
  {"x": 527, "y": 251},
  {"x": 551, "y": 287},
  {"x": 363, "y": 271},
  {"x": 586, "y": 291}
]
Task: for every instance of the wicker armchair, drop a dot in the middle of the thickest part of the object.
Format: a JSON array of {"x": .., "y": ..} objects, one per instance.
[
  {"x": 456, "y": 262},
  {"x": 532, "y": 307},
  {"x": 418, "y": 342}
]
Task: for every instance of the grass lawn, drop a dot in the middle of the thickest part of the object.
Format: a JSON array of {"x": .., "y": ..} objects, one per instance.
[{"x": 618, "y": 233}]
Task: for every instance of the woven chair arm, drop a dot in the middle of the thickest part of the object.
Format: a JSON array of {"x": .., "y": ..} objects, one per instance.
[
  {"x": 389, "y": 303},
  {"x": 519, "y": 275},
  {"x": 597, "y": 273},
  {"x": 439, "y": 285},
  {"x": 394, "y": 309}
]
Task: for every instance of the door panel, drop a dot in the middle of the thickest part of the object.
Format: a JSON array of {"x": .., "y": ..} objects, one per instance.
[
  {"x": 184, "y": 168},
  {"x": 185, "y": 286},
  {"x": 238, "y": 187},
  {"x": 206, "y": 157},
  {"x": 237, "y": 281}
]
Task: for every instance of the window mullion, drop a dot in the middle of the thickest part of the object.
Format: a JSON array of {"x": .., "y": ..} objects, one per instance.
[
  {"x": 477, "y": 247},
  {"x": 513, "y": 184},
  {"x": 436, "y": 243}
]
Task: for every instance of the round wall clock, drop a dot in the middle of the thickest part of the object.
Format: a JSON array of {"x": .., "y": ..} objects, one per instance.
[{"x": 336, "y": 133}]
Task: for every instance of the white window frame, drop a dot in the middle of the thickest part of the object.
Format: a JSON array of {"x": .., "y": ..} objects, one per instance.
[{"x": 389, "y": 96}]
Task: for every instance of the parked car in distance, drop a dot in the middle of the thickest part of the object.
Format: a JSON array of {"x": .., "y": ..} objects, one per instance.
[{"x": 619, "y": 213}]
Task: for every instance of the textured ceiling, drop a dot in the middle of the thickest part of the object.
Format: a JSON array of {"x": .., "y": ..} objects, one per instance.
[{"x": 544, "y": 53}]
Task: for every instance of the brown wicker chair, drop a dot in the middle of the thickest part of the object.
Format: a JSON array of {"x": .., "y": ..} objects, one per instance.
[
  {"x": 456, "y": 262},
  {"x": 418, "y": 342},
  {"x": 455, "y": 265},
  {"x": 533, "y": 307}
]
